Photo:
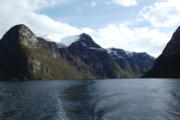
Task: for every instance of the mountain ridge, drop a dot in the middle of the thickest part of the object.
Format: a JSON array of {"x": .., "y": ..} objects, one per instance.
[
  {"x": 23, "y": 59},
  {"x": 135, "y": 63},
  {"x": 23, "y": 56}
]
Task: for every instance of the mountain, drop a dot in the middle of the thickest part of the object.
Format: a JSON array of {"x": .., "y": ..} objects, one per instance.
[
  {"x": 99, "y": 62},
  {"x": 23, "y": 56},
  {"x": 135, "y": 64},
  {"x": 167, "y": 65}
]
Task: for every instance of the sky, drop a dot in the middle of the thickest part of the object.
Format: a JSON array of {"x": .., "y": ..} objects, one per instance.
[{"x": 134, "y": 25}]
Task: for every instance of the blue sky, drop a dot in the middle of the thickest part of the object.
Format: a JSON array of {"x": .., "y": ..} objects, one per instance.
[
  {"x": 134, "y": 25},
  {"x": 82, "y": 13}
]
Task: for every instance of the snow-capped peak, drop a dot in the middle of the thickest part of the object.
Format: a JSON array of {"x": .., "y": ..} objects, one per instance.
[
  {"x": 115, "y": 51},
  {"x": 60, "y": 40},
  {"x": 69, "y": 40},
  {"x": 54, "y": 37}
]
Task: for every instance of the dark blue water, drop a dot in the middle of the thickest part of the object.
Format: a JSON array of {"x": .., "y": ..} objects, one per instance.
[{"x": 126, "y": 99}]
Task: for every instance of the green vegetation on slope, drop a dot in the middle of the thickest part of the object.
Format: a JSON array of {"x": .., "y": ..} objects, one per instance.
[{"x": 46, "y": 66}]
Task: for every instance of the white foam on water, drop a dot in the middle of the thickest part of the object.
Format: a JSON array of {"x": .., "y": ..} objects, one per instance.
[{"x": 61, "y": 114}]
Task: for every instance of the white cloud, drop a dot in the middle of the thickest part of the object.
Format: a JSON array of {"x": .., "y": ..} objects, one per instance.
[
  {"x": 139, "y": 39},
  {"x": 93, "y": 3},
  {"x": 125, "y": 3},
  {"x": 112, "y": 35},
  {"x": 88, "y": 30},
  {"x": 162, "y": 14},
  {"x": 53, "y": 37},
  {"x": 23, "y": 12},
  {"x": 134, "y": 39}
]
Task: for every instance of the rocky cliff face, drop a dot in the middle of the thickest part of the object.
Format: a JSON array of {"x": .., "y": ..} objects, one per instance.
[
  {"x": 167, "y": 64},
  {"x": 23, "y": 56},
  {"x": 13, "y": 60}
]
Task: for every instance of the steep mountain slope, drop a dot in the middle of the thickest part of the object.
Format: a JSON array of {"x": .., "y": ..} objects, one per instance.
[
  {"x": 23, "y": 56},
  {"x": 99, "y": 62},
  {"x": 167, "y": 65},
  {"x": 135, "y": 64}
]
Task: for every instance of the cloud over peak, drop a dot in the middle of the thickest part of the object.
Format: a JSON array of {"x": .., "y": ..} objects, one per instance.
[{"x": 125, "y": 36}]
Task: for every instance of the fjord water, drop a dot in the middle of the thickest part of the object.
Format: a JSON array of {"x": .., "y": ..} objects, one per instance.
[{"x": 125, "y": 99}]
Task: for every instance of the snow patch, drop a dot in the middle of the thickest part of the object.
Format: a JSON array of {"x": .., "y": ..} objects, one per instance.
[
  {"x": 84, "y": 44},
  {"x": 128, "y": 53},
  {"x": 69, "y": 40},
  {"x": 114, "y": 52},
  {"x": 60, "y": 40},
  {"x": 98, "y": 49},
  {"x": 109, "y": 50},
  {"x": 54, "y": 37}
]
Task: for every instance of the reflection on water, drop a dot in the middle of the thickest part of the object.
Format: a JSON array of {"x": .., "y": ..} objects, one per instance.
[{"x": 126, "y": 99}]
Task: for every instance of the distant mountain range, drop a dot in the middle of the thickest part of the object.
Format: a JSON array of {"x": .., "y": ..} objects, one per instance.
[
  {"x": 167, "y": 65},
  {"x": 134, "y": 64},
  {"x": 23, "y": 56}
]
